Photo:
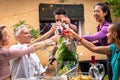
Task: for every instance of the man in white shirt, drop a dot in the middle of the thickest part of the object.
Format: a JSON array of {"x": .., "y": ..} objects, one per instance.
[{"x": 28, "y": 65}]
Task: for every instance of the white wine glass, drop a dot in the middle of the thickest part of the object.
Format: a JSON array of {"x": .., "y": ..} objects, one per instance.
[{"x": 101, "y": 70}]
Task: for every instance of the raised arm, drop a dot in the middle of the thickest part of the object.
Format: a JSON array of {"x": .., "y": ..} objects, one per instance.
[
  {"x": 90, "y": 46},
  {"x": 17, "y": 52},
  {"x": 46, "y": 35},
  {"x": 98, "y": 35},
  {"x": 73, "y": 27}
]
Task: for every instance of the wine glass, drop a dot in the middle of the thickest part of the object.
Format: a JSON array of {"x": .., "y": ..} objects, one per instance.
[
  {"x": 67, "y": 40},
  {"x": 101, "y": 70},
  {"x": 94, "y": 72}
]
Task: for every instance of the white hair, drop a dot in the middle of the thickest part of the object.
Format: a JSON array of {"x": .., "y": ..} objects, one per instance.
[{"x": 17, "y": 31}]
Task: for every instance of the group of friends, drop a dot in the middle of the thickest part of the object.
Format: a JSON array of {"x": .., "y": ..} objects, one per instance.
[{"x": 18, "y": 60}]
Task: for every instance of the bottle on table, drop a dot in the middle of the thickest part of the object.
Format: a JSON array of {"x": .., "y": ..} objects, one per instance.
[{"x": 93, "y": 70}]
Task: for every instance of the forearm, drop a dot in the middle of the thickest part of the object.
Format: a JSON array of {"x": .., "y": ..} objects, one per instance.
[
  {"x": 96, "y": 36},
  {"x": 41, "y": 44},
  {"x": 97, "y": 49},
  {"x": 92, "y": 47},
  {"x": 73, "y": 27},
  {"x": 14, "y": 52},
  {"x": 87, "y": 44},
  {"x": 43, "y": 37},
  {"x": 20, "y": 51}
]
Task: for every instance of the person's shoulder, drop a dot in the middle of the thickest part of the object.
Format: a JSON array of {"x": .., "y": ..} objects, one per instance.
[
  {"x": 106, "y": 24},
  {"x": 112, "y": 46},
  {"x": 3, "y": 50},
  {"x": 17, "y": 45},
  {"x": 14, "y": 46}
]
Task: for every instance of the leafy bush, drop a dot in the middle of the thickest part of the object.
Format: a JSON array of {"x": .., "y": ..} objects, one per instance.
[{"x": 115, "y": 7}]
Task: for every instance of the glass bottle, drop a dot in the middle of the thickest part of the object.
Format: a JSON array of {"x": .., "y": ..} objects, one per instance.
[{"x": 93, "y": 70}]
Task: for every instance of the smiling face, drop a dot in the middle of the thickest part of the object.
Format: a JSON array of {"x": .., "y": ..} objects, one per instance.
[
  {"x": 98, "y": 14},
  {"x": 24, "y": 36},
  {"x": 5, "y": 37}
]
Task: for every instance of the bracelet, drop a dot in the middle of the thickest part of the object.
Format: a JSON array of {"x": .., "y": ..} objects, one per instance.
[{"x": 80, "y": 39}]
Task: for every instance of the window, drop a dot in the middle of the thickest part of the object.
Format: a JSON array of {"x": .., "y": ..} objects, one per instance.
[{"x": 46, "y": 17}]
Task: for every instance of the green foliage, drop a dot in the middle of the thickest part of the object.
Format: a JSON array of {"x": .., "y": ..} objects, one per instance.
[
  {"x": 115, "y": 7},
  {"x": 18, "y": 24},
  {"x": 35, "y": 33}
]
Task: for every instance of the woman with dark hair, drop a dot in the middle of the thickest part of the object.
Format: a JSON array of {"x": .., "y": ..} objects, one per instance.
[
  {"x": 113, "y": 48},
  {"x": 103, "y": 17}
]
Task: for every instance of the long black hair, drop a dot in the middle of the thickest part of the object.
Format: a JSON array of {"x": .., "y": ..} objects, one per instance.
[{"x": 105, "y": 8}]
